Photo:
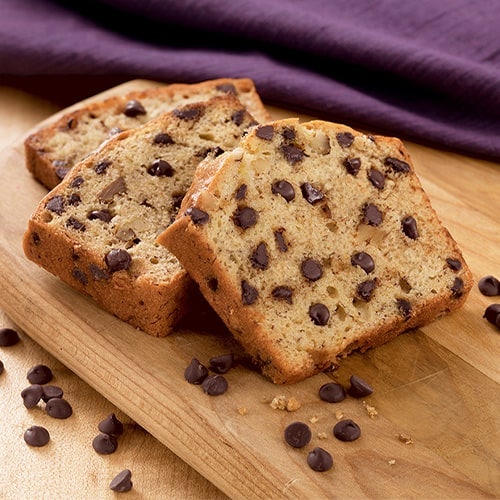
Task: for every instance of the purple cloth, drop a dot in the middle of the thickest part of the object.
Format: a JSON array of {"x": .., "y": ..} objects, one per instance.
[{"x": 423, "y": 70}]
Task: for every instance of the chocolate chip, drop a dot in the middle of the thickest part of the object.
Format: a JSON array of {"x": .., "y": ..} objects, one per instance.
[
  {"x": 8, "y": 337},
  {"x": 58, "y": 408},
  {"x": 265, "y": 132},
  {"x": 32, "y": 395},
  {"x": 160, "y": 168},
  {"x": 36, "y": 436},
  {"x": 238, "y": 116},
  {"x": 332, "y": 392},
  {"x": 74, "y": 199},
  {"x": 222, "y": 363},
  {"x": 61, "y": 170},
  {"x": 104, "y": 215},
  {"x": 214, "y": 385},
  {"x": 162, "y": 139},
  {"x": 39, "y": 374},
  {"x": 134, "y": 108},
  {"x": 285, "y": 189},
  {"x": 288, "y": 133},
  {"x": 283, "y": 292},
  {"x": 98, "y": 273},
  {"x": 77, "y": 182},
  {"x": 346, "y": 430},
  {"x": 345, "y": 139},
  {"x": 121, "y": 483},
  {"x": 195, "y": 372},
  {"x": 101, "y": 167},
  {"x": 397, "y": 165},
  {"x": 105, "y": 444},
  {"x": 56, "y": 205},
  {"x": 176, "y": 201},
  {"x": 51, "y": 391},
  {"x": 376, "y": 178},
  {"x": 352, "y": 165},
  {"x": 319, "y": 314},
  {"x": 188, "y": 112},
  {"x": 404, "y": 307},
  {"x": 116, "y": 187},
  {"x": 311, "y": 269},
  {"x": 241, "y": 192},
  {"x": 292, "y": 154},
  {"x": 227, "y": 88},
  {"x": 199, "y": 217},
  {"x": 298, "y": 434},
  {"x": 319, "y": 460},
  {"x": 457, "y": 288},
  {"x": 364, "y": 261},
  {"x": 118, "y": 260},
  {"x": 359, "y": 388},
  {"x": 489, "y": 286},
  {"x": 365, "y": 290},
  {"x": 79, "y": 275},
  {"x": 259, "y": 257},
  {"x": 111, "y": 425},
  {"x": 248, "y": 293},
  {"x": 245, "y": 217},
  {"x": 371, "y": 215},
  {"x": 492, "y": 314},
  {"x": 409, "y": 226},
  {"x": 454, "y": 264},
  {"x": 310, "y": 193},
  {"x": 280, "y": 241},
  {"x": 74, "y": 223}
]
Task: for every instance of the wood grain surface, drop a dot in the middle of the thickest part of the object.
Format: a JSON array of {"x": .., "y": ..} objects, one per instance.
[{"x": 435, "y": 433}]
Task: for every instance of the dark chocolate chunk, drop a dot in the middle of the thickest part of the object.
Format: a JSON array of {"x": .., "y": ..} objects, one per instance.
[
  {"x": 265, "y": 132},
  {"x": 51, "y": 391},
  {"x": 104, "y": 215},
  {"x": 195, "y": 372},
  {"x": 58, "y": 408},
  {"x": 188, "y": 112},
  {"x": 160, "y": 168},
  {"x": 489, "y": 286},
  {"x": 105, "y": 444},
  {"x": 332, "y": 392},
  {"x": 288, "y": 133},
  {"x": 364, "y": 261},
  {"x": 222, "y": 363},
  {"x": 397, "y": 165},
  {"x": 77, "y": 181},
  {"x": 238, "y": 116},
  {"x": 319, "y": 460},
  {"x": 409, "y": 226},
  {"x": 371, "y": 215},
  {"x": 457, "y": 288},
  {"x": 359, "y": 388},
  {"x": 319, "y": 314},
  {"x": 248, "y": 293},
  {"x": 365, "y": 290},
  {"x": 61, "y": 172},
  {"x": 259, "y": 257},
  {"x": 8, "y": 337},
  {"x": 492, "y": 313},
  {"x": 404, "y": 307},
  {"x": 80, "y": 276},
  {"x": 32, "y": 395},
  {"x": 377, "y": 178},
  {"x": 285, "y": 189},
  {"x": 214, "y": 385},
  {"x": 245, "y": 217},
  {"x": 280, "y": 241},
  {"x": 352, "y": 165},
  {"x": 118, "y": 260},
  {"x": 74, "y": 199},
  {"x": 241, "y": 192},
  {"x": 56, "y": 205},
  {"x": 36, "y": 436},
  {"x": 134, "y": 108},
  {"x": 111, "y": 425},
  {"x": 116, "y": 187},
  {"x": 121, "y": 483},
  {"x": 298, "y": 434},
  {"x": 283, "y": 292},
  {"x": 198, "y": 216},
  {"x": 454, "y": 264},
  {"x": 346, "y": 430},
  {"x": 310, "y": 193},
  {"x": 74, "y": 223},
  {"x": 292, "y": 153},
  {"x": 39, "y": 374},
  {"x": 101, "y": 167},
  {"x": 98, "y": 273},
  {"x": 162, "y": 139},
  {"x": 176, "y": 201},
  {"x": 345, "y": 139},
  {"x": 311, "y": 269}
]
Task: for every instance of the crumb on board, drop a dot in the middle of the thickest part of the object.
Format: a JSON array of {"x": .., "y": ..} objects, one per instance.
[
  {"x": 313, "y": 419},
  {"x": 339, "y": 414},
  {"x": 371, "y": 410},
  {"x": 242, "y": 410},
  {"x": 283, "y": 403},
  {"x": 391, "y": 461},
  {"x": 404, "y": 438},
  {"x": 322, "y": 435}
]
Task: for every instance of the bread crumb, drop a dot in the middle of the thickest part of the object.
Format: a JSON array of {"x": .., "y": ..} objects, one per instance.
[
  {"x": 313, "y": 419},
  {"x": 292, "y": 404},
  {"x": 283, "y": 403},
  {"x": 404, "y": 438},
  {"x": 391, "y": 461},
  {"x": 242, "y": 410},
  {"x": 339, "y": 415},
  {"x": 322, "y": 435},
  {"x": 371, "y": 410}
]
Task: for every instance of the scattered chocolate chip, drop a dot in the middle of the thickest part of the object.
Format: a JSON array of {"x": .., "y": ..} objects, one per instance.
[
  {"x": 36, "y": 436},
  {"x": 116, "y": 187},
  {"x": 160, "y": 168},
  {"x": 292, "y": 154},
  {"x": 39, "y": 374},
  {"x": 259, "y": 257},
  {"x": 311, "y": 269},
  {"x": 111, "y": 425},
  {"x": 104, "y": 215},
  {"x": 105, "y": 444},
  {"x": 320, "y": 314},
  {"x": 283, "y": 292},
  {"x": 409, "y": 226},
  {"x": 56, "y": 205},
  {"x": 489, "y": 286},
  {"x": 404, "y": 307},
  {"x": 345, "y": 139},
  {"x": 121, "y": 483},
  {"x": 162, "y": 139},
  {"x": 77, "y": 181},
  {"x": 283, "y": 188},
  {"x": 248, "y": 293},
  {"x": 101, "y": 167},
  {"x": 8, "y": 337},
  {"x": 364, "y": 261},
  {"x": 372, "y": 215},
  {"x": 245, "y": 217},
  {"x": 198, "y": 216},
  {"x": 454, "y": 264},
  {"x": 75, "y": 224},
  {"x": 365, "y": 290},
  {"x": 359, "y": 388},
  {"x": 310, "y": 193},
  {"x": 457, "y": 288},
  {"x": 118, "y": 260},
  {"x": 319, "y": 460},
  {"x": 377, "y": 178},
  {"x": 32, "y": 395},
  {"x": 51, "y": 391},
  {"x": 298, "y": 434},
  {"x": 221, "y": 364},
  {"x": 492, "y": 314},
  {"x": 352, "y": 165},
  {"x": 265, "y": 132},
  {"x": 346, "y": 430},
  {"x": 195, "y": 372},
  {"x": 134, "y": 108},
  {"x": 397, "y": 165},
  {"x": 188, "y": 112},
  {"x": 280, "y": 241},
  {"x": 332, "y": 392},
  {"x": 214, "y": 385},
  {"x": 241, "y": 192},
  {"x": 58, "y": 408}
]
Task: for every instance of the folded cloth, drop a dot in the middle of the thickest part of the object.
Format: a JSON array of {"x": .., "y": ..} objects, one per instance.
[{"x": 423, "y": 70}]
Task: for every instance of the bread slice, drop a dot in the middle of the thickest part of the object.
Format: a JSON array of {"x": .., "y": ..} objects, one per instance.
[
  {"x": 53, "y": 150},
  {"x": 97, "y": 229},
  {"x": 312, "y": 240}
]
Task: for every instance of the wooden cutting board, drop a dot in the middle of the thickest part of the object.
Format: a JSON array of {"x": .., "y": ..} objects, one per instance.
[{"x": 435, "y": 432}]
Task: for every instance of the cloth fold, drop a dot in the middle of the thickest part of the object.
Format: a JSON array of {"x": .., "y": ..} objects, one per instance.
[{"x": 421, "y": 70}]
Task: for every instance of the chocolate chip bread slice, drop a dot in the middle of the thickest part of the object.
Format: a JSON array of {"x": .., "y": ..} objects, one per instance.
[
  {"x": 97, "y": 229},
  {"x": 312, "y": 240},
  {"x": 55, "y": 148}
]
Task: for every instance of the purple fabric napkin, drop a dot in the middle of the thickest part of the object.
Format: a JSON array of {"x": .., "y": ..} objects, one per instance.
[{"x": 422, "y": 70}]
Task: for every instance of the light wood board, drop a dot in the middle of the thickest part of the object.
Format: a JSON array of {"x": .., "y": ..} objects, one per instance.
[{"x": 439, "y": 385}]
